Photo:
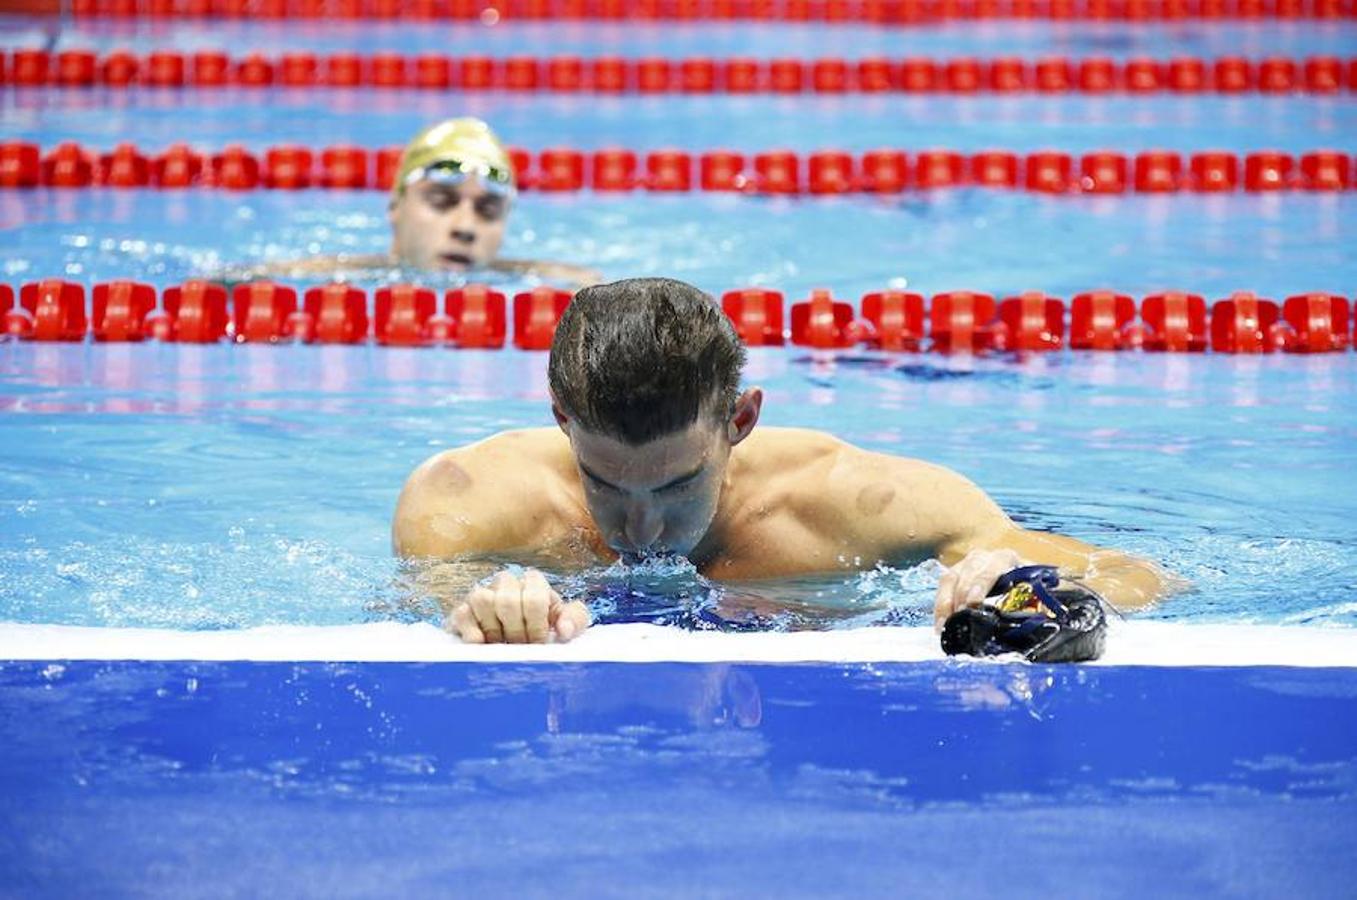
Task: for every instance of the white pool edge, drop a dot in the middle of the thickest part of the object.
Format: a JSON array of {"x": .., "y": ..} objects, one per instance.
[{"x": 1130, "y": 643}]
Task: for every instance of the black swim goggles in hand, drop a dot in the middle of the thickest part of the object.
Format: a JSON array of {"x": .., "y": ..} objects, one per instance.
[{"x": 1036, "y": 615}]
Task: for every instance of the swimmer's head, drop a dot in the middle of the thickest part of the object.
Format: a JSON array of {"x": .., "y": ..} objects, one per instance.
[
  {"x": 645, "y": 381},
  {"x": 451, "y": 197}
]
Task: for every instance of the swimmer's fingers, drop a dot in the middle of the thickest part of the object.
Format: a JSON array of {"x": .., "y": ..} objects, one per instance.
[
  {"x": 482, "y": 603},
  {"x": 463, "y": 624},
  {"x": 943, "y": 602},
  {"x": 509, "y": 607},
  {"x": 969, "y": 581},
  {"x": 537, "y": 599},
  {"x": 569, "y": 619}
]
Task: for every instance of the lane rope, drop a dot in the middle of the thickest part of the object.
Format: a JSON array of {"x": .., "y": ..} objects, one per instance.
[
  {"x": 477, "y": 316},
  {"x": 1274, "y": 75},
  {"x": 779, "y": 172},
  {"x": 878, "y": 12}
]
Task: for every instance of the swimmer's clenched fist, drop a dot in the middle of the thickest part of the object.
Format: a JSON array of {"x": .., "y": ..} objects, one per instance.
[
  {"x": 968, "y": 582},
  {"x": 513, "y": 610}
]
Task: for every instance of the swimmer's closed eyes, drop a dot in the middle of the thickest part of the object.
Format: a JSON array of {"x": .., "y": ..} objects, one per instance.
[
  {"x": 443, "y": 198},
  {"x": 675, "y": 486}
]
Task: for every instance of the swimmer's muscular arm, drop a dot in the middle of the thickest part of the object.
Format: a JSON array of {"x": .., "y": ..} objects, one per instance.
[
  {"x": 936, "y": 512},
  {"x": 486, "y": 500},
  {"x": 468, "y": 503}
]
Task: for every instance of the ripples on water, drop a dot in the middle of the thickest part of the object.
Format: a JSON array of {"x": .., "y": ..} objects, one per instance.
[{"x": 218, "y": 487}]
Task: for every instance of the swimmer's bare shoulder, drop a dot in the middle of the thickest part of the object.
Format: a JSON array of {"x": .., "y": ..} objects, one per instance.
[
  {"x": 867, "y": 504},
  {"x": 508, "y": 495},
  {"x": 878, "y": 507}
]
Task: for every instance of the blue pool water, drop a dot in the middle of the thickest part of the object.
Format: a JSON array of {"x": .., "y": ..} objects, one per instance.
[
  {"x": 206, "y": 489},
  {"x": 217, "y": 487},
  {"x": 216, "y": 779}
]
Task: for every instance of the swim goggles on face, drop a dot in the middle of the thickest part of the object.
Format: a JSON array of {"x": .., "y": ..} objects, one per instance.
[
  {"x": 495, "y": 179},
  {"x": 1036, "y": 615}
]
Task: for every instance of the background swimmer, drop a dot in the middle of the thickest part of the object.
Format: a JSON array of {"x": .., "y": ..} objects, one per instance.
[
  {"x": 449, "y": 207},
  {"x": 656, "y": 453}
]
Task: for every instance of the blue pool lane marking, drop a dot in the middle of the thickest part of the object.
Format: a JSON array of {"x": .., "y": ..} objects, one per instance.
[{"x": 675, "y": 779}]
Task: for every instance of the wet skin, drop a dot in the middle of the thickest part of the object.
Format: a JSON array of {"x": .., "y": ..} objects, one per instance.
[{"x": 740, "y": 504}]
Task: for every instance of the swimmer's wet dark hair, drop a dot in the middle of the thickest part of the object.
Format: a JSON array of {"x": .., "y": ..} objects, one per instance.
[{"x": 642, "y": 358}]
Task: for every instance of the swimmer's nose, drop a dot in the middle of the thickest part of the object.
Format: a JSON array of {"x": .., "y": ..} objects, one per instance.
[
  {"x": 643, "y": 528},
  {"x": 461, "y": 222}
]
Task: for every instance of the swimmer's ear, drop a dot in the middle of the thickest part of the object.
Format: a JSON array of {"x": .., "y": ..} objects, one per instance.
[
  {"x": 561, "y": 418},
  {"x": 745, "y": 416}
]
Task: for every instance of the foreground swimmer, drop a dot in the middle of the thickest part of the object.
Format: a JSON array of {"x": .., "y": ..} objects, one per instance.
[
  {"x": 657, "y": 453},
  {"x": 449, "y": 207}
]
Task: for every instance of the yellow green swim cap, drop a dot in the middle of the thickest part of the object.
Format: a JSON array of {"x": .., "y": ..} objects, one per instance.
[{"x": 467, "y": 145}]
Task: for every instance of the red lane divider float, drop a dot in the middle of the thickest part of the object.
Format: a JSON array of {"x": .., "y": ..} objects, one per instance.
[
  {"x": 881, "y": 12},
  {"x": 824, "y": 172},
  {"x": 477, "y": 316},
  {"x": 742, "y": 75}
]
